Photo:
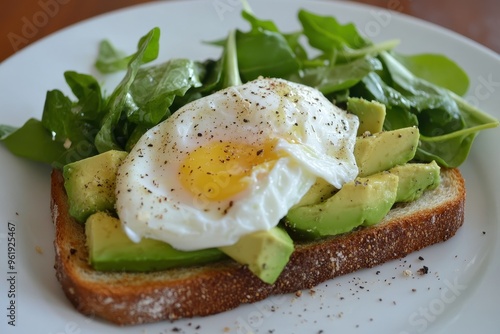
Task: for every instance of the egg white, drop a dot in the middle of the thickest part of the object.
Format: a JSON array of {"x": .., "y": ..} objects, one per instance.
[{"x": 314, "y": 138}]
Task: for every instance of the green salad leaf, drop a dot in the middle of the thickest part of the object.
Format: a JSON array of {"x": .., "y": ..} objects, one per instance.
[
  {"x": 422, "y": 90},
  {"x": 32, "y": 141},
  {"x": 437, "y": 69},
  {"x": 105, "y": 139},
  {"x": 110, "y": 59}
]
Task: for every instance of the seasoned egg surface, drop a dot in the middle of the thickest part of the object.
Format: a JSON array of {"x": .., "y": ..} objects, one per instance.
[{"x": 233, "y": 163}]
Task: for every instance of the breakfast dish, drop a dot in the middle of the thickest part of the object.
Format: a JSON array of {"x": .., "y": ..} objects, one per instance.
[{"x": 415, "y": 320}]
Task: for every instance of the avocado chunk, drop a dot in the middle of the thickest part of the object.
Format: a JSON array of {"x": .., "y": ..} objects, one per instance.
[
  {"x": 320, "y": 191},
  {"x": 363, "y": 202},
  {"x": 110, "y": 249},
  {"x": 371, "y": 114},
  {"x": 265, "y": 252},
  {"x": 384, "y": 150},
  {"x": 90, "y": 183},
  {"x": 415, "y": 178}
]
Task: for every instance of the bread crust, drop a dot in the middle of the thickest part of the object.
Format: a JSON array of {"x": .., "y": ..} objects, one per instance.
[{"x": 134, "y": 298}]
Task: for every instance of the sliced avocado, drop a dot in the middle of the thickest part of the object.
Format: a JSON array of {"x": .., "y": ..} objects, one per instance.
[
  {"x": 90, "y": 183},
  {"x": 414, "y": 179},
  {"x": 371, "y": 114},
  {"x": 384, "y": 150},
  {"x": 110, "y": 249},
  {"x": 320, "y": 191},
  {"x": 265, "y": 252},
  {"x": 365, "y": 201}
]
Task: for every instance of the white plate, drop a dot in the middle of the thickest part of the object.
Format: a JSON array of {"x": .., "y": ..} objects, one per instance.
[{"x": 459, "y": 295}]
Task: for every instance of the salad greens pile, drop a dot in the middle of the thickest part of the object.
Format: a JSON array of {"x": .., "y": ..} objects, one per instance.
[{"x": 420, "y": 90}]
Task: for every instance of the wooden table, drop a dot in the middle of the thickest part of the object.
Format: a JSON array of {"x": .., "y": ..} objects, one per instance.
[{"x": 25, "y": 21}]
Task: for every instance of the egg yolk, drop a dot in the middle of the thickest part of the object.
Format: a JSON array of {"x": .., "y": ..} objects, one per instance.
[{"x": 220, "y": 170}]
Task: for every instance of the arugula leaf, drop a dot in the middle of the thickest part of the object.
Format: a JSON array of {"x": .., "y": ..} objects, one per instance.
[
  {"x": 110, "y": 59},
  {"x": 88, "y": 91},
  {"x": 327, "y": 34},
  {"x": 341, "y": 42},
  {"x": 258, "y": 24},
  {"x": 147, "y": 48}
]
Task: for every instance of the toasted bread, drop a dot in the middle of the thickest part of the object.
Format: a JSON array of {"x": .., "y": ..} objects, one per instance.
[{"x": 134, "y": 298}]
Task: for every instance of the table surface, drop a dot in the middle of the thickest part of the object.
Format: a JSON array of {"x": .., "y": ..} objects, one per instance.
[{"x": 477, "y": 20}]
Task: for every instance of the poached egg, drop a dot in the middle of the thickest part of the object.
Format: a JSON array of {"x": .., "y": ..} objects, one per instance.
[{"x": 233, "y": 163}]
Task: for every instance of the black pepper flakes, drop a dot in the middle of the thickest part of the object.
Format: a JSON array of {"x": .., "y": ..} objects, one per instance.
[{"x": 423, "y": 271}]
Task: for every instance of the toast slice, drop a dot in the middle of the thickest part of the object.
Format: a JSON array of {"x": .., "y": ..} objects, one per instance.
[{"x": 134, "y": 298}]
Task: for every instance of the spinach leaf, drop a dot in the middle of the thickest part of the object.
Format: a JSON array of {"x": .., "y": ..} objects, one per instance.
[
  {"x": 261, "y": 51},
  {"x": 451, "y": 149},
  {"x": 421, "y": 93},
  {"x": 155, "y": 88},
  {"x": 230, "y": 63},
  {"x": 225, "y": 71},
  {"x": 153, "y": 92},
  {"x": 398, "y": 108},
  {"x": 338, "y": 77},
  {"x": 34, "y": 142},
  {"x": 69, "y": 129},
  {"x": 6, "y": 130},
  {"x": 448, "y": 124},
  {"x": 264, "y": 53},
  {"x": 66, "y": 130},
  {"x": 58, "y": 116},
  {"x": 293, "y": 39},
  {"x": 258, "y": 24}
]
